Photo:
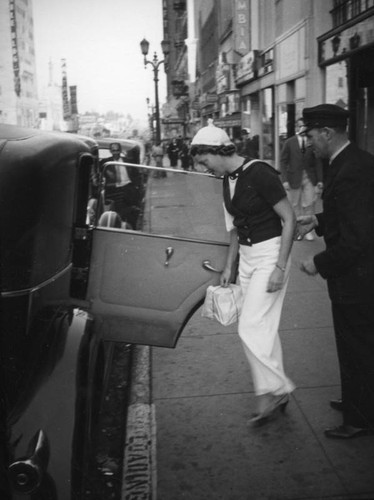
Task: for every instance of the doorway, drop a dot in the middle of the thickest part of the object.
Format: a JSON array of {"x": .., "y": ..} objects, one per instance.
[{"x": 362, "y": 99}]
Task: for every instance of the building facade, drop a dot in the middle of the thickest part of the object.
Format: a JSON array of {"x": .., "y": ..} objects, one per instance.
[
  {"x": 18, "y": 86},
  {"x": 346, "y": 55},
  {"x": 258, "y": 63}
]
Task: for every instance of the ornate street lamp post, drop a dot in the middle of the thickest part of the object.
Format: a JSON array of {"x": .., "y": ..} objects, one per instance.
[{"x": 155, "y": 63}]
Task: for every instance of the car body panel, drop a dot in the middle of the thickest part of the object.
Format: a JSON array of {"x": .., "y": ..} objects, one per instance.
[{"x": 144, "y": 294}]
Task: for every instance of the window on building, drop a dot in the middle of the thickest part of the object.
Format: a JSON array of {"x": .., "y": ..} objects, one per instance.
[
  {"x": 345, "y": 10},
  {"x": 337, "y": 84}
]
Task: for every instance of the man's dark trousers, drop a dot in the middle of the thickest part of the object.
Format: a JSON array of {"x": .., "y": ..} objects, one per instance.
[{"x": 353, "y": 325}]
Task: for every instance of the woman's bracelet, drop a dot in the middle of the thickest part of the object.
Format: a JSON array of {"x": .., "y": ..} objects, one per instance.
[{"x": 283, "y": 269}]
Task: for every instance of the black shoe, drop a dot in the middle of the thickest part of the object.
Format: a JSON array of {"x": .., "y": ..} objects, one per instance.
[
  {"x": 347, "y": 432},
  {"x": 279, "y": 405},
  {"x": 336, "y": 404}
]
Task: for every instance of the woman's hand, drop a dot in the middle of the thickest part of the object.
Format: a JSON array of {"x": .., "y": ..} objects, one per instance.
[
  {"x": 232, "y": 253},
  {"x": 225, "y": 277},
  {"x": 276, "y": 280}
]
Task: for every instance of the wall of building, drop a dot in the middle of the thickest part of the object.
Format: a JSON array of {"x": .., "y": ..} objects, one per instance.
[
  {"x": 18, "y": 86},
  {"x": 268, "y": 52}
]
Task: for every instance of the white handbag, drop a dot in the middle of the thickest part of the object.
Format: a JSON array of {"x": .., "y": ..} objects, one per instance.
[{"x": 223, "y": 304}]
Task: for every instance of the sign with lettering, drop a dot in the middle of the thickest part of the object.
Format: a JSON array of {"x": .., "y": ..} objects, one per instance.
[
  {"x": 246, "y": 69},
  {"x": 137, "y": 477},
  {"x": 64, "y": 90},
  {"x": 241, "y": 26},
  {"x": 222, "y": 78},
  {"x": 73, "y": 100},
  {"x": 15, "y": 56},
  {"x": 342, "y": 44}
]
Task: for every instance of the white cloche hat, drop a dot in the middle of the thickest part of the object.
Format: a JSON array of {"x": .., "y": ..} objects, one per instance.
[{"x": 211, "y": 136}]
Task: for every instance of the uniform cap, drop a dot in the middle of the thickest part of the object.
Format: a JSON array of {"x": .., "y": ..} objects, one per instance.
[
  {"x": 324, "y": 115},
  {"x": 211, "y": 136}
]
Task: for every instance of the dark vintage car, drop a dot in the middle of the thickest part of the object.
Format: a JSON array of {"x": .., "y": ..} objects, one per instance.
[{"x": 68, "y": 287}]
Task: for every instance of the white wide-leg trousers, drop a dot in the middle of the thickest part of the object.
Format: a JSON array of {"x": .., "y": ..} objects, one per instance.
[{"x": 260, "y": 317}]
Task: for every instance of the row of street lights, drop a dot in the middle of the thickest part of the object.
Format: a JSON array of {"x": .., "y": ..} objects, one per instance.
[{"x": 155, "y": 63}]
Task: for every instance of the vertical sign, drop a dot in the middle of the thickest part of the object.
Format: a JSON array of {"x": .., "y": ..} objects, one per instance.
[
  {"x": 73, "y": 100},
  {"x": 242, "y": 26},
  {"x": 15, "y": 56},
  {"x": 64, "y": 89}
]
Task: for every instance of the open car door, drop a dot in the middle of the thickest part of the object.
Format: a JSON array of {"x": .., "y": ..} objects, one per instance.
[{"x": 144, "y": 284}]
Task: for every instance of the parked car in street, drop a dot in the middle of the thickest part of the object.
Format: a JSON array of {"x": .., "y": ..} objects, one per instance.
[
  {"x": 127, "y": 201},
  {"x": 69, "y": 286}
]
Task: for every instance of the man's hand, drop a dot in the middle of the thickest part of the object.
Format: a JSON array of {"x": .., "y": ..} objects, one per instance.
[
  {"x": 305, "y": 224},
  {"x": 319, "y": 188},
  {"x": 286, "y": 186},
  {"x": 308, "y": 267}
]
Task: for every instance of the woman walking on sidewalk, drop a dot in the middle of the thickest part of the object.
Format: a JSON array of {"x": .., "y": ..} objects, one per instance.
[{"x": 261, "y": 223}]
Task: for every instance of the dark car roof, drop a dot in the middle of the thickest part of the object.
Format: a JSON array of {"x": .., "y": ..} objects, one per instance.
[{"x": 39, "y": 172}]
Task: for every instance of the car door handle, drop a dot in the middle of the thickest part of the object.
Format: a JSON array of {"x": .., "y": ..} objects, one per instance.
[
  {"x": 208, "y": 266},
  {"x": 169, "y": 253}
]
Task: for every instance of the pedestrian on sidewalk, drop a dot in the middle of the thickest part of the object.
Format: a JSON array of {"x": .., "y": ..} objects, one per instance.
[
  {"x": 347, "y": 263},
  {"x": 261, "y": 223},
  {"x": 184, "y": 155},
  {"x": 249, "y": 146},
  {"x": 158, "y": 155},
  {"x": 173, "y": 152},
  {"x": 301, "y": 173}
]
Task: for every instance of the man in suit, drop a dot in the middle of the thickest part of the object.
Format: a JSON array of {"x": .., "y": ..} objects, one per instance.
[
  {"x": 347, "y": 263},
  {"x": 301, "y": 173},
  {"x": 249, "y": 147},
  {"x": 123, "y": 186}
]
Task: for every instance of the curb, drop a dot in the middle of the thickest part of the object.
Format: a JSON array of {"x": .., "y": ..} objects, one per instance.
[{"x": 139, "y": 466}]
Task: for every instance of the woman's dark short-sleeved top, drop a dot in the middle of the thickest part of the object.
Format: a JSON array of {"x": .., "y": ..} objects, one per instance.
[{"x": 258, "y": 188}]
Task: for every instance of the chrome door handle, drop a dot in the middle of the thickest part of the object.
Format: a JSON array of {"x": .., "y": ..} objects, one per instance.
[
  {"x": 208, "y": 266},
  {"x": 169, "y": 253}
]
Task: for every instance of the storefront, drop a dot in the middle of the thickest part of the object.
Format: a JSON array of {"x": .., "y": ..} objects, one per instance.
[
  {"x": 347, "y": 54},
  {"x": 228, "y": 101},
  {"x": 231, "y": 123},
  {"x": 256, "y": 103},
  {"x": 291, "y": 90},
  {"x": 256, "y": 80}
]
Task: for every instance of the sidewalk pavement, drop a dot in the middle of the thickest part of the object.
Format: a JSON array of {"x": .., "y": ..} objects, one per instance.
[
  {"x": 189, "y": 436},
  {"x": 203, "y": 397}
]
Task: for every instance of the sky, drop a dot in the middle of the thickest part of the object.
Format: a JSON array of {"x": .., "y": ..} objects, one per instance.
[{"x": 99, "y": 39}]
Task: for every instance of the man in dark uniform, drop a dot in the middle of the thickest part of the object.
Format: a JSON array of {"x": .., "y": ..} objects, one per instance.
[{"x": 347, "y": 263}]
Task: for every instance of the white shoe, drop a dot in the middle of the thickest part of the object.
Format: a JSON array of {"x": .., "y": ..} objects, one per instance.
[{"x": 309, "y": 237}]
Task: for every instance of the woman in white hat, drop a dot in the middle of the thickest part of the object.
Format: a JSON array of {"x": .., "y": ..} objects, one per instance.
[{"x": 261, "y": 223}]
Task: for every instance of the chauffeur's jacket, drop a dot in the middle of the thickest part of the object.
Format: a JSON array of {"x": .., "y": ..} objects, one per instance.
[{"x": 347, "y": 224}]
